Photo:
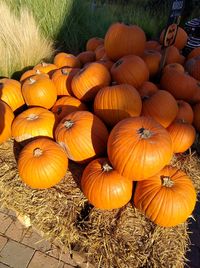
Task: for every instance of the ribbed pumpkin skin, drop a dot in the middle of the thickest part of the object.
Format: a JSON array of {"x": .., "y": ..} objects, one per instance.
[
  {"x": 45, "y": 67},
  {"x": 121, "y": 40},
  {"x": 162, "y": 106},
  {"x": 83, "y": 135},
  {"x": 196, "y": 120},
  {"x": 10, "y": 93},
  {"x": 62, "y": 79},
  {"x": 67, "y": 105},
  {"x": 114, "y": 103},
  {"x": 105, "y": 188},
  {"x": 29, "y": 74},
  {"x": 39, "y": 90},
  {"x": 93, "y": 43},
  {"x": 7, "y": 117},
  {"x": 139, "y": 147},
  {"x": 42, "y": 163},
  {"x": 33, "y": 122},
  {"x": 87, "y": 82},
  {"x": 147, "y": 89},
  {"x": 180, "y": 85},
  {"x": 195, "y": 52},
  {"x": 174, "y": 67},
  {"x": 152, "y": 59},
  {"x": 86, "y": 56},
  {"x": 166, "y": 205},
  {"x": 66, "y": 60},
  {"x": 185, "y": 111},
  {"x": 130, "y": 70}
]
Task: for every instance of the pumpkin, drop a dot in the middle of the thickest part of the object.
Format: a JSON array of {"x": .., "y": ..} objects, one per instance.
[
  {"x": 180, "y": 85},
  {"x": 153, "y": 44},
  {"x": 62, "y": 79},
  {"x": 45, "y": 67},
  {"x": 173, "y": 56},
  {"x": 168, "y": 198},
  {"x": 196, "y": 120},
  {"x": 87, "y": 82},
  {"x": 185, "y": 111},
  {"x": 114, "y": 103},
  {"x": 67, "y": 105},
  {"x": 152, "y": 59},
  {"x": 93, "y": 43},
  {"x": 193, "y": 67},
  {"x": 7, "y": 117},
  {"x": 29, "y": 74},
  {"x": 182, "y": 134},
  {"x": 181, "y": 38},
  {"x": 139, "y": 147},
  {"x": 39, "y": 90},
  {"x": 196, "y": 97},
  {"x": 10, "y": 92},
  {"x": 66, "y": 60},
  {"x": 42, "y": 163},
  {"x": 106, "y": 62},
  {"x": 100, "y": 52},
  {"x": 195, "y": 52},
  {"x": 147, "y": 89},
  {"x": 162, "y": 106},
  {"x": 104, "y": 187},
  {"x": 83, "y": 135},
  {"x": 174, "y": 67},
  {"x": 122, "y": 39},
  {"x": 33, "y": 122},
  {"x": 130, "y": 70},
  {"x": 86, "y": 56}
]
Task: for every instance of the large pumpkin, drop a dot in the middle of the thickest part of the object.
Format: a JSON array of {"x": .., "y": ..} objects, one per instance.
[
  {"x": 182, "y": 134},
  {"x": 87, "y": 82},
  {"x": 42, "y": 163},
  {"x": 152, "y": 59},
  {"x": 130, "y": 70},
  {"x": 39, "y": 90},
  {"x": 10, "y": 92},
  {"x": 93, "y": 43},
  {"x": 185, "y": 111},
  {"x": 66, "y": 60},
  {"x": 7, "y": 117},
  {"x": 139, "y": 147},
  {"x": 114, "y": 103},
  {"x": 83, "y": 135},
  {"x": 122, "y": 39},
  {"x": 168, "y": 198},
  {"x": 33, "y": 122},
  {"x": 162, "y": 106},
  {"x": 196, "y": 120},
  {"x": 104, "y": 187},
  {"x": 147, "y": 89}
]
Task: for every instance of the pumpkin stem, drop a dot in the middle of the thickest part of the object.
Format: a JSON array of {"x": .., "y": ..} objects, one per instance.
[
  {"x": 37, "y": 152},
  {"x": 65, "y": 71},
  {"x": 31, "y": 80},
  {"x": 37, "y": 71},
  {"x": 68, "y": 123},
  {"x": 166, "y": 181},
  {"x": 119, "y": 62},
  {"x": 44, "y": 64},
  {"x": 32, "y": 117},
  {"x": 144, "y": 133},
  {"x": 106, "y": 167}
]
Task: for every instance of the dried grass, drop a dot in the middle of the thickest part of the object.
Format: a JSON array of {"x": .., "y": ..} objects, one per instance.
[{"x": 21, "y": 43}]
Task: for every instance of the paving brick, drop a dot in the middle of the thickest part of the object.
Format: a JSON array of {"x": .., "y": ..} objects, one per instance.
[
  {"x": 16, "y": 231},
  {"x": 41, "y": 260},
  {"x": 61, "y": 255},
  {"x": 34, "y": 240},
  {"x": 16, "y": 255},
  {"x": 3, "y": 241},
  {"x": 5, "y": 221}
]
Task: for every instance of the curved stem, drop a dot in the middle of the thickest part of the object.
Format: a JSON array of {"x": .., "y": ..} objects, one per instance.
[
  {"x": 68, "y": 123},
  {"x": 106, "y": 167},
  {"x": 145, "y": 133},
  {"x": 166, "y": 181},
  {"x": 37, "y": 152}
]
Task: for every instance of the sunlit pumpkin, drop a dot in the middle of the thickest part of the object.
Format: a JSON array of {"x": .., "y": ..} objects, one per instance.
[
  {"x": 7, "y": 117},
  {"x": 63, "y": 59}
]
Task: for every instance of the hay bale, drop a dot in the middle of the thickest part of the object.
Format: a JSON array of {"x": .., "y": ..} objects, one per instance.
[{"x": 118, "y": 238}]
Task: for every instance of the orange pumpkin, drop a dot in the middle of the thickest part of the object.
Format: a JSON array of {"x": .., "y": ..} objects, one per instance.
[
  {"x": 185, "y": 111},
  {"x": 7, "y": 117},
  {"x": 104, "y": 187},
  {"x": 114, "y": 103},
  {"x": 83, "y": 135},
  {"x": 44, "y": 67},
  {"x": 139, "y": 147},
  {"x": 66, "y": 60},
  {"x": 106, "y": 62},
  {"x": 42, "y": 163},
  {"x": 168, "y": 198},
  {"x": 193, "y": 67},
  {"x": 93, "y": 43},
  {"x": 196, "y": 120},
  {"x": 39, "y": 90},
  {"x": 62, "y": 79},
  {"x": 173, "y": 56},
  {"x": 29, "y": 74},
  {"x": 195, "y": 52},
  {"x": 161, "y": 106},
  {"x": 100, "y": 52},
  {"x": 174, "y": 67},
  {"x": 33, "y": 122},
  {"x": 87, "y": 82},
  {"x": 153, "y": 44},
  {"x": 67, "y": 105},
  {"x": 121, "y": 40},
  {"x": 10, "y": 92},
  {"x": 130, "y": 70},
  {"x": 86, "y": 56},
  {"x": 147, "y": 89},
  {"x": 152, "y": 59}
]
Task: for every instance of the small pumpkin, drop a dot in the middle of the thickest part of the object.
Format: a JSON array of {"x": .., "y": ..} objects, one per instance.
[
  {"x": 104, "y": 187},
  {"x": 86, "y": 56},
  {"x": 42, "y": 163},
  {"x": 139, "y": 147},
  {"x": 29, "y": 74},
  {"x": 93, "y": 43},
  {"x": 192, "y": 66},
  {"x": 147, "y": 89},
  {"x": 152, "y": 59},
  {"x": 100, "y": 52},
  {"x": 153, "y": 44},
  {"x": 45, "y": 67},
  {"x": 33, "y": 122},
  {"x": 66, "y": 60},
  {"x": 7, "y": 117},
  {"x": 174, "y": 56},
  {"x": 174, "y": 67},
  {"x": 83, "y": 135},
  {"x": 185, "y": 111},
  {"x": 195, "y": 52},
  {"x": 106, "y": 62},
  {"x": 196, "y": 120},
  {"x": 168, "y": 198}
]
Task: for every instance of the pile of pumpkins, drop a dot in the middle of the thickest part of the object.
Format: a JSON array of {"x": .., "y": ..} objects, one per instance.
[{"x": 102, "y": 108}]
